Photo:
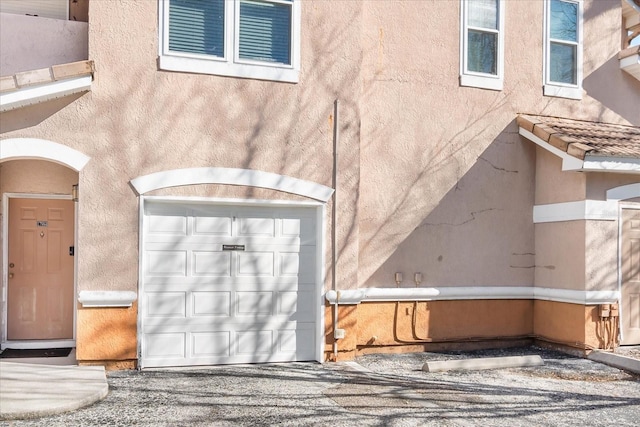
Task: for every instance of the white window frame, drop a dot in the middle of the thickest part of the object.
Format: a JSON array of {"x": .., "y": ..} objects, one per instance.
[
  {"x": 557, "y": 89},
  {"x": 475, "y": 79},
  {"x": 230, "y": 64}
]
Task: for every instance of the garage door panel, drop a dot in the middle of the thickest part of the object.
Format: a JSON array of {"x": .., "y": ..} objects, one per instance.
[
  {"x": 298, "y": 264},
  {"x": 166, "y": 304},
  {"x": 207, "y": 344},
  {"x": 170, "y": 224},
  {"x": 166, "y": 263},
  {"x": 253, "y": 304},
  {"x": 211, "y": 263},
  {"x": 255, "y": 264},
  {"x": 302, "y": 228},
  {"x": 255, "y": 342},
  {"x": 212, "y": 226},
  {"x": 208, "y": 303},
  {"x": 297, "y": 341},
  {"x": 297, "y": 306},
  {"x": 163, "y": 345},
  {"x": 256, "y": 227}
]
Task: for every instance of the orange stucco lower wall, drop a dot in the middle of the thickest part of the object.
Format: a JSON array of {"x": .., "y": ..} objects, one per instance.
[
  {"x": 417, "y": 326},
  {"x": 572, "y": 324},
  {"x": 409, "y": 325},
  {"x": 107, "y": 336}
]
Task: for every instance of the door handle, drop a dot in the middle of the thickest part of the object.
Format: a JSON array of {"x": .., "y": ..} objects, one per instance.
[{"x": 10, "y": 275}]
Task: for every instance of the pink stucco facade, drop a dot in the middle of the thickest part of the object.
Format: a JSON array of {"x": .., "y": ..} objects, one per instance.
[{"x": 431, "y": 177}]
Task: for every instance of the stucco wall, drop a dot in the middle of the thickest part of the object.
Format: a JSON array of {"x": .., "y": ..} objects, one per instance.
[
  {"x": 432, "y": 177},
  {"x": 560, "y": 255},
  {"x": 36, "y": 176},
  {"x": 553, "y": 185},
  {"x": 447, "y": 184}
]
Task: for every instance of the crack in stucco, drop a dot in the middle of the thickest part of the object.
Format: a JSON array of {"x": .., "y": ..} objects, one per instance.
[
  {"x": 548, "y": 267},
  {"x": 496, "y": 167},
  {"x": 473, "y": 217}
]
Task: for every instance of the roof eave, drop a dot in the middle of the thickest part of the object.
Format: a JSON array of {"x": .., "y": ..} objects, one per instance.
[
  {"x": 611, "y": 164},
  {"x": 589, "y": 163}
]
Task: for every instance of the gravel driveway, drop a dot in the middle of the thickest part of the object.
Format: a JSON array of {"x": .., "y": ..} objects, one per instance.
[{"x": 380, "y": 390}]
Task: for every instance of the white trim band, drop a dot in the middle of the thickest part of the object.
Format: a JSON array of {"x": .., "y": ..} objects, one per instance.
[
  {"x": 33, "y": 148},
  {"x": 106, "y": 299},
  {"x": 231, "y": 176},
  {"x": 576, "y": 211},
  {"x": 34, "y": 95},
  {"x": 357, "y": 296}
]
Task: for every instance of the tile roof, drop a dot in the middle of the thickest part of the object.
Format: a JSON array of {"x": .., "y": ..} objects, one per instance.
[{"x": 579, "y": 138}]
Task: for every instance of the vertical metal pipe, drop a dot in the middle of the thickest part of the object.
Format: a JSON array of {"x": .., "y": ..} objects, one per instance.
[{"x": 334, "y": 225}]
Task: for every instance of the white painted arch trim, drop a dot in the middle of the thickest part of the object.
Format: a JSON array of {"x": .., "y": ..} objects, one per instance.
[
  {"x": 33, "y": 148},
  {"x": 357, "y": 296},
  {"x": 624, "y": 192},
  {"x": 231, "y": 176},
  {"x": 106, "y": 298}
]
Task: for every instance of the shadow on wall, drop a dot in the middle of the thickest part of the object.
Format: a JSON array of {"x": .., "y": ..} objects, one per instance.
[
  {"x": 610, "y": 86},
  {"x": 26, "y": 117},
  {"x": 481, "y": 232},
  {"x": 608, "y": 83}
]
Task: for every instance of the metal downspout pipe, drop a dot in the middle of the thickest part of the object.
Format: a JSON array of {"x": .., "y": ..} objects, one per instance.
[{"x": 334, "y": 226}]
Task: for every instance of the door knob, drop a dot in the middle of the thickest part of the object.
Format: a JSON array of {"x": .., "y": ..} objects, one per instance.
[{"x": 10, "y": 275}]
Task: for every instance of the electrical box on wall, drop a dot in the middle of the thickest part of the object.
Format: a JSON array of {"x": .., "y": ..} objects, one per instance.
[
  {"x": 339, "y": 334},
  {"x": 604, "y": 310},
  {"x": 614, "y": 310}
]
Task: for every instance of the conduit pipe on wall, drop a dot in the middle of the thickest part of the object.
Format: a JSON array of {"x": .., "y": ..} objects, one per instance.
[{"x": 334, "y": 226}]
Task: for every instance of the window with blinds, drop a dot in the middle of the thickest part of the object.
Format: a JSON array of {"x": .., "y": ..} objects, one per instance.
[
  {"x": 265, "y": 31},
  {"x": 242, "y": 38},
  {"x": 197, "y": 26}
]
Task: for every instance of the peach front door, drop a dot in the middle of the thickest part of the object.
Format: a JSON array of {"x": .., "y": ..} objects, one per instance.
[
  {"x": 630, "y": 276},
  {"x": 40, "y": 288}
]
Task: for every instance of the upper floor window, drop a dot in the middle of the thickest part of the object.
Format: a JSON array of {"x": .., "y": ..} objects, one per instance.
[
  {"x": 242, "y": 38},
  {"x": 482, "y": 43},
  {"x": 563, "y": 48}
]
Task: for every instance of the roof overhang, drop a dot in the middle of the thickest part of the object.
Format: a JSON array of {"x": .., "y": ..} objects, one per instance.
[
  {"x": 575, "y": 156},
  {"x": 630, "y": 61},
  {"x": 33, "y": 87},
  {"x": 630, "y": 57}
]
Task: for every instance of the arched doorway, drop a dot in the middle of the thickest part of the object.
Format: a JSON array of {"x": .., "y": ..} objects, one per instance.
[{"x": 38, "y": 181}]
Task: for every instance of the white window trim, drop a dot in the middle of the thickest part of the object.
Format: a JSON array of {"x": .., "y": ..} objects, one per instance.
[
  {"x": 230, "y": 65},
  {"x": 474, "y": 79},
  {"x": 562, "y": 90}
]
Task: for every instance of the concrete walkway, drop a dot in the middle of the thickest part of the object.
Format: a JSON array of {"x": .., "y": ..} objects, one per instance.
[{"x": 33, "y": 390}]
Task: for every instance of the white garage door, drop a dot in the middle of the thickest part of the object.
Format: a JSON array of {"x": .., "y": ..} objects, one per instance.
[{"x": 228, "y": 284}]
